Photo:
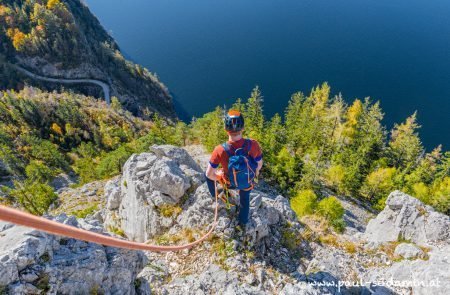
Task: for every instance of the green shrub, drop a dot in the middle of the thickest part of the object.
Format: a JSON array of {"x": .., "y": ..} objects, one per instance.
[
  {"x": 441, "y": 195},
  {"x": 35, "y": 197},
  {"x": 111, "y": 163},
  {"x": 335, "y": 177},
  {"x": 168, "y": 210},
  {"x": 86, "y": 211},
  {"x": 331, "y": 209},
  {"x": 304, "y": 202},
  {"x": 379, "y": 184},
  {"x": 39, "y": 172}
]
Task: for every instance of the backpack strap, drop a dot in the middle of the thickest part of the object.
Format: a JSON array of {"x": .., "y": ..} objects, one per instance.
[
  {"x": 227, "y": 149},
  {"x": 248, "y": 146}
]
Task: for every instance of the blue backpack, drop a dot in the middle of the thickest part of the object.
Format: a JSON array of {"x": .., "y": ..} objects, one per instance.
[{"x": 241, "y": 166}]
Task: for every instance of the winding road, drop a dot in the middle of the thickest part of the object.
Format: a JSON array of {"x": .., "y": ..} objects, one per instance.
[{"x": 105, "y": 87}]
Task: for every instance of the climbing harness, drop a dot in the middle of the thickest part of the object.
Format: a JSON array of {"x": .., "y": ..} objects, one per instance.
[{"x": 52, "y": 227}]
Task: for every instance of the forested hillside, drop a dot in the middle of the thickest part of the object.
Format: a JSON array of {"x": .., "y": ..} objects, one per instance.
[
  {"x": 62, "y": 39},
  {"x": 322, "y": 142},
  {"x": 44, "y": 134}
]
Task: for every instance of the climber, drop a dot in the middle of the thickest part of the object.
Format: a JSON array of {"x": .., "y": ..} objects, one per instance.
[{"x": 240, "y": 160}]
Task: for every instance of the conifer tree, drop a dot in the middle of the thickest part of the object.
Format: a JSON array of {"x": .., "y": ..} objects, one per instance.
[
  {"x": 239, "y": 106},
  {"x": 181, "y": 133},
  {"x": 253, "y": 114},
  {"x": 294, "y": 120},
  {"x": 209, "y": 129},
  {"x": 273, "y": 140},
  {"x": 405, "y": 146},
  {"x": 365, "y": 147}
]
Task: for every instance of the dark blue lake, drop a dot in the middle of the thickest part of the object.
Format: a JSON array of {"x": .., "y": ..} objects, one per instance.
[{"x": 209, "y": 52}]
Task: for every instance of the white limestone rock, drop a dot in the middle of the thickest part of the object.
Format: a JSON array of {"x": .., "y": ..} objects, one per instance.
[
  {"x": 32, "y": 262},
  {"x": 408, "y": 251},
  {"x": 407, "y": 218}
]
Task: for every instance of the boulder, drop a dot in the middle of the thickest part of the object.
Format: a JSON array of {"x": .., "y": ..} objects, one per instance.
[
  {"x": 179, "y": 155},
  {"x": 301, "y": 288},
  {"x": 112, "y": 191},
  {"x": 150, "y": 181},
  {"x": 199, "y": 154},
  {"x": 63, "y": 181},
  {"x": 33, "y": 262},
  {"x": 407, "y": 218},
  {"x": 213, "y": 278},
  {"x": 419, "y": 277}
]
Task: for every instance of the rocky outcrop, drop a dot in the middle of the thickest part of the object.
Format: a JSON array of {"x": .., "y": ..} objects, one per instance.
[
  {"x": 408, "y": 251},
  {"x": 161, "y": 196},
  {"x": 417, "y": 276},
  {"x": 213, "y": 278},
  {"x": 33, "y": 262},
  {"x": 151, "y": 182},
  {"x": 405, "y": 217}
]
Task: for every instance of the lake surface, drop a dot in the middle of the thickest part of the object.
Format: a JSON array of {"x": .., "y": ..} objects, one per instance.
[{"x": 209, "y": 52}]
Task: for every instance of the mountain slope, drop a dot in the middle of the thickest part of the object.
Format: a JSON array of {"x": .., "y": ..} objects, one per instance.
[
  {"x": 62, "y": 39},
  {"x": 277, "y": 255}
]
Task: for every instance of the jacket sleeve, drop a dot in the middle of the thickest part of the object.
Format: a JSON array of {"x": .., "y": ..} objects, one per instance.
[
  {"x": 214, "y": 161},
  {"x": 256, "y": 151}
]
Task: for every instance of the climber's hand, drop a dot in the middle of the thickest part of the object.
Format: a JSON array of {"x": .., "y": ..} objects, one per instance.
[{"x": 219, "y": 173}]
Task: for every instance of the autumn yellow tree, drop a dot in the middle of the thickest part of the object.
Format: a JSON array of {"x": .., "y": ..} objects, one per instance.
[
  {"x": 52, "y": 3},
  {"x": 405, "y": 146},
  {"x": 17, "y": 37}
]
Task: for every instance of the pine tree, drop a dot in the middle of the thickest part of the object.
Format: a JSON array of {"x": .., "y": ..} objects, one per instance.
[
  {"x": 319, "y": 97},
  {"x": 273, "y": 140},
  {"x": 239, "y": 106},
  {"x": 209, "y": 129},
  {"x": 115, "y": 104},
  {"x": 405, "y": 146},
  {"x": 181, "y": 134},
  {"x": 352, "y": 118},
  {"x": 365, "y": 147},
  {"x": 254, "y": 116},
  {"x": 294, "y": 120}
]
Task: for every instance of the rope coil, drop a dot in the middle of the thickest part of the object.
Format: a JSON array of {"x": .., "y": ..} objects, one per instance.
[{"x": 52, "y": 227}]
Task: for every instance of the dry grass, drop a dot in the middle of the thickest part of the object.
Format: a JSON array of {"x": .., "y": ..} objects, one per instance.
[
  {"x": 336, "y": 242},
  {"x": 290, "y": 239},
  {"x": 186, "y": 235},
  {"x": 389, "y": 249},
  {"x": 316, "y": 223},
  {"x": 117, "y": 231},
  {"x": 222, "y": 249},
  {"x": 350, "y": 247},
  {"x": 329, "y": 239},
  {"x": 167, "y": 210}
]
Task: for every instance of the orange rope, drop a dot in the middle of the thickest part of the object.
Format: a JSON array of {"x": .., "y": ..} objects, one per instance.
[{"x": 25, "y": 219}]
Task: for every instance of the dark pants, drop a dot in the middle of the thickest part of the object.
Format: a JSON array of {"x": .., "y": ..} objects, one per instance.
[{"x": 244, "y": 201}]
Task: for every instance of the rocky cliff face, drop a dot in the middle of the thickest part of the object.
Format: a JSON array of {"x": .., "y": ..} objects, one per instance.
[
  {"x": 161, "y": 196},
  {"x": 32, "y": 262},
  {"x": 143, "y": 201}
]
